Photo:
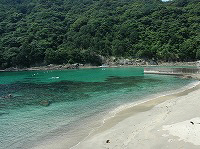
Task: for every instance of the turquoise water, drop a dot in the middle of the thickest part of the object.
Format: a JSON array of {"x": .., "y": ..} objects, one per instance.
[{"x": 79, "y": 101}]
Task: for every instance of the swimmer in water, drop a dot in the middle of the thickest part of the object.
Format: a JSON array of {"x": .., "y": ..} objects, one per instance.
[{"x": 8, "y": 96}]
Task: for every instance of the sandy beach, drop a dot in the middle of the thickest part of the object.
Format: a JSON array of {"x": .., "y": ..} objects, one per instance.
[{"x": 166, "y": 122}]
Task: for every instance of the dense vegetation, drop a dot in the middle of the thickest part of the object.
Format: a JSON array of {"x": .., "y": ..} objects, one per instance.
[{"x": 35, "y": 32}]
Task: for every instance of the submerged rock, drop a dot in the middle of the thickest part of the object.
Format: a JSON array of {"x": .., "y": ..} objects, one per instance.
[
  {"x": 3, "y": 113},
  {"x": 7, "y": 96},
  {"x": 45, "y": 103}
]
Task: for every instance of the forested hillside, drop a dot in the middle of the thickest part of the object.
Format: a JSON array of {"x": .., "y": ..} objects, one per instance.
[{"x": 35, "y": 32}]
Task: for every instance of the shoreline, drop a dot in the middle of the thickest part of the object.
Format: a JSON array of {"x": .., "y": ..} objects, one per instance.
[
  {"x": 81, "y": 66},
  {"x": 60, "y": 144},
  {"x": 125, "y": 114},
  {"x": 110, "y": 120},
  {"x": 111, "y": 125},
  {"x": 142, "y": 106}
]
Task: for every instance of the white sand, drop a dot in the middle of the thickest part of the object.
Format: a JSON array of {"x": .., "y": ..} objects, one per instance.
[
  {"x": 187, "y": 131},
  {"x": 152, "y": 125}
]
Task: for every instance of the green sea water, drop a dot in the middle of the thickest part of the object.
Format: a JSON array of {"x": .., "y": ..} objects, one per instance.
[{"x": 79, "y": 101}]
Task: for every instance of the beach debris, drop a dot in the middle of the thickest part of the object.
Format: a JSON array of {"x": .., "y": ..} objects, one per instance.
[
  {"x": 45, "y": 103},
  {"x": 107, "y": 141},
  {"x": 192, "y": 122}
]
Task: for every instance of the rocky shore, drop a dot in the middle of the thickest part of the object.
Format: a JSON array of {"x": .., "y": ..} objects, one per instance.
[{"x": 106, "y": 63}]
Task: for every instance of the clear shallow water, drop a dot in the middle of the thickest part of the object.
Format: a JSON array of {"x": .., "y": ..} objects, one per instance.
[{"x": 80, "y": 100}]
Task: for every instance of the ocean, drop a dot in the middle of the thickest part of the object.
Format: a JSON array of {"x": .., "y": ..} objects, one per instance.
[{"x": 64, "y": 106}]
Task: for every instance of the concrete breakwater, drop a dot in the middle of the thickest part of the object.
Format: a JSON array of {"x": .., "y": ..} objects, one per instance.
[{"x": 171, "y": 71}]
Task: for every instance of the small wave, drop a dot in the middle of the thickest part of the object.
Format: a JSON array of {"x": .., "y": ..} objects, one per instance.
[{"x": 54, "y": 77}]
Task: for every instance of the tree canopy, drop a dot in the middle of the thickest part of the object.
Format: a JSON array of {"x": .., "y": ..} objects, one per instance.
[{"x": 35, "y": 32}]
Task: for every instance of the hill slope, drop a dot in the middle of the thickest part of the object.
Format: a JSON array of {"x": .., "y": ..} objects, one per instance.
[{"x": 61, "y": 31}]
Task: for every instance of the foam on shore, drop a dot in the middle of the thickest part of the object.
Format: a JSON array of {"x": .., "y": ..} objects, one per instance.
[
  {"x": 127, "y": 110},
  {"x": 149, "y": 98}
]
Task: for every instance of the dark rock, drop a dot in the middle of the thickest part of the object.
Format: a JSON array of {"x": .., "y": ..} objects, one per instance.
[
  {"x": 189, "y": 77},
  {"x": 192, "y": 123},
  {"x": 107, "y": 141},
  {"x": 45, "y": 103}
]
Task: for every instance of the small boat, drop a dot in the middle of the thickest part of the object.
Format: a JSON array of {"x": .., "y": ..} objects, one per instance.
[{"x": 104, "y": 66}]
